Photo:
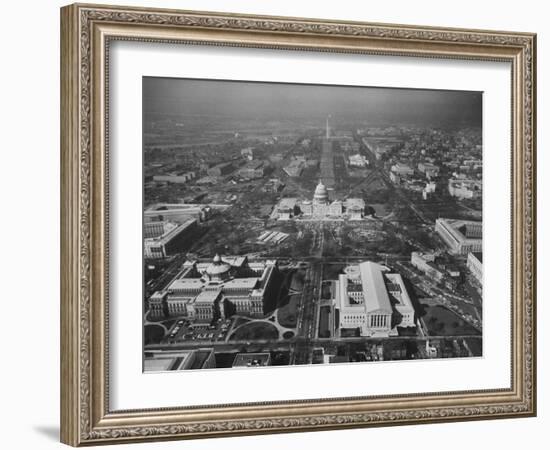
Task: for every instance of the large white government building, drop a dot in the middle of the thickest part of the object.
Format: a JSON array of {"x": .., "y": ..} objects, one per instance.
[
  {"x": 165, "y": 238},
  {"x": 461, "y": 236},
  {"x": 373, "y": 300},
  {"x": 474, "y": 262},
  {"x": 203, "y": 291},
  {"x": 321, "y": 207}
]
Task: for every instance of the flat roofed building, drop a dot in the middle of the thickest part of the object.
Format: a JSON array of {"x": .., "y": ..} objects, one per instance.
[
  {"x": 425, "y": 263},
  {"x": 429, "y": 169},
  {"x": 355, "y": 207},
  {"x": 164, "y": 361},
  {"x": 362, "y": 300},
  {"x": 400, "y": 299},
  {"x": 461, "y": 236},
  {"x": 475, "y": 264},
  {"x": 295, "y": 168},
  {"x": 175, "y": 178},
  {"x": 248, "y": 153},
  {"x": 357, "y": 160},
  {"x": 253, "y": 169},
  {"x": 220, "y": 169},
  {"x": 179, "y": 212},
  {"x": 402, "y": 169},
  {"x": 154, "y": 229},
  {"x": 465, "y": 189},
  {"x": 285, "y": 209},
  {"x": 252, "y": 360},
  {"x": 173, "y": 238}
]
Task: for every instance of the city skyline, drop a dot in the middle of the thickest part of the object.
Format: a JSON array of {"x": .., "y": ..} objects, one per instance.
[
  {"x": 289, "y": 224},
  {"x": 276, "y": 100}
]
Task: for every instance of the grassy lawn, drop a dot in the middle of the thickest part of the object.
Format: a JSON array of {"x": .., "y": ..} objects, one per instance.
[
  {"x": 442, "y": 322},
  {"x": 297, "y": 282},
  {"x": 239, "y": 321},
  {"x": 331, "y": 271},
  {"x": 288, "y": 314},
  {"x": 255, "y": 331},
  {"x": 475, "y": 346},
  {"x": 153, "y": 334}
]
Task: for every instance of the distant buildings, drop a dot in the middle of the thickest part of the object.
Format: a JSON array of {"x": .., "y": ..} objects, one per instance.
[
  {"x": 430, "y": 187},
  {"x": 428, "y": 169},
  {"x": 252, "y": 360},
  {"x": 220, "y": 169},
  {"x": 402, "y": 170},
  {"x": 248, "y": 153},
  {"x": 375, "y": 302},
  {"x": 164, "y": 361},
  {"x": 461, "y": 236},
  {"x": 475, "y": 264},
  {"x": 252, "y": 169},
  {"x": 465, "y": 189},
  {"x": 428, "y": 190},
  {"x": 204, "y": 291},
  {"x": 425, "y": 262},
  {"x": 358, "y": 160},
  {"x": 274, "y": 185},
  {"x": 287, "y": 208},
  {"x": 320, "y": 207},
  {"x": 163, "y": 239},
  {"x": 178, "y": 212},
  {"x": 175, "y": 178},
  {"x": 295, "y": 168},
  {"x": 276, "y": 157}
]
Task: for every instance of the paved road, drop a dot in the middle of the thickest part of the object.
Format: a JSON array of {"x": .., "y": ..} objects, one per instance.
[
  {"x": 379, "y": 169},
  {"x": 167, "y": 276},
  {"x": 302, "y": 343}
]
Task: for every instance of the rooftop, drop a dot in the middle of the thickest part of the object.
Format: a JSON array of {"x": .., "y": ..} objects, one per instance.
[
  {"x": 478, "y": 256},
  {"x": 252, "y": 360},
  {"x": 171, "y": 231},
  {"x": 287, "y": 203},
  {"x": 374, "y": 287},
  {"x": 208, "y": 296}
]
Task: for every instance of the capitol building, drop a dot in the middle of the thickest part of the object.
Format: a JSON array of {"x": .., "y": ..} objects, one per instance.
[{"x": 321, "y": 207}]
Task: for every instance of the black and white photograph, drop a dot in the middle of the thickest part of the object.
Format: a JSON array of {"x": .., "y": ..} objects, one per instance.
[{"x": 295, "y": 224}]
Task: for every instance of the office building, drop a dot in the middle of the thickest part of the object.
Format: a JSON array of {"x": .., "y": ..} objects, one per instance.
[
  {"x": 165, "y": 361},
  {"x": 402, "y": 170},
  {"x": 252, "y": 169},
  {"x": 167, "y": 239},
  {"x": 220, "y": 169},
  {"x": 372, "y": 300},
  {"x": 425, "y": 262},
  {"x": 179, "y": 212},
  {"x": 475, "y": 264},
  {"x": 465, "y": 189},
  {"x": 461, "y": 236},
  {"x": 175, "y": 178}
]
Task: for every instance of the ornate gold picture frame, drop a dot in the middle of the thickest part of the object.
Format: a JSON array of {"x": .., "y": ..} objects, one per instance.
[{"x": 86, "y": 34}]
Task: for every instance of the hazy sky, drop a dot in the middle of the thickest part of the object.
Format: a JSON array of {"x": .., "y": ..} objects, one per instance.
[{"x": 276, "y": 100}]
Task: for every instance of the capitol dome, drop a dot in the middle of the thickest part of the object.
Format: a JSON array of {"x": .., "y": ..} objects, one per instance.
[
  {"x": 218, "y": 269},
  {"x": 321, "y": 193}
]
